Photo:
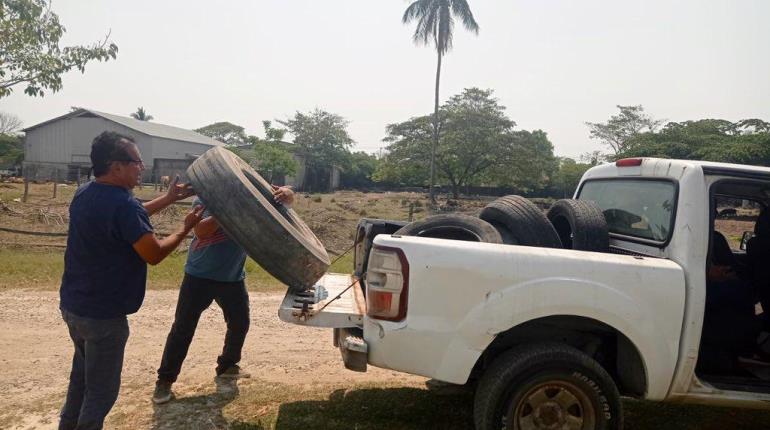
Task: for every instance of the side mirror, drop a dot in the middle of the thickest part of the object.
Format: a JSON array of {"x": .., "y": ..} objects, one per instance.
[{"x": 745, "y": 239}]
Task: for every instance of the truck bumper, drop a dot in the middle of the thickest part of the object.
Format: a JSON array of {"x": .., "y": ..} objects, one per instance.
[{"x": 353, "y": 348}]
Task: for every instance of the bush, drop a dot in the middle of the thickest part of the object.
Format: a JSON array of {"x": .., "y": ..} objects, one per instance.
[{"x": 317, "y": 199}]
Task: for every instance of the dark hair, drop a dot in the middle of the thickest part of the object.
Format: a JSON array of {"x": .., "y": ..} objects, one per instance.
[{"x": 108, "y": 147}]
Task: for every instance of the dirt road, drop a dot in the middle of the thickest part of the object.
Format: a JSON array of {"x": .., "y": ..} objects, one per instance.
[{"x": 35, "y": 354}]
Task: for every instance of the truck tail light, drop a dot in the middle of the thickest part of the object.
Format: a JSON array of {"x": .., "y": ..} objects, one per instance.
[
  {"x": 628, "y": 162},
  {"x": 387, "y": 284}
]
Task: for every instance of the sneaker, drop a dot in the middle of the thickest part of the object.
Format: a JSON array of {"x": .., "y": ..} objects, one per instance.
[
  {"x": 234, "y": 372},
  {"x": 162, "y": 393}
]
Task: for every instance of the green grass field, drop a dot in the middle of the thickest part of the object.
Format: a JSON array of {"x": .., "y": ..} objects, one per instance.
[{"x": 41, "y": 269}]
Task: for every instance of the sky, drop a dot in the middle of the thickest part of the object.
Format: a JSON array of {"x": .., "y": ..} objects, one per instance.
[{"x": 554, "y": 64}]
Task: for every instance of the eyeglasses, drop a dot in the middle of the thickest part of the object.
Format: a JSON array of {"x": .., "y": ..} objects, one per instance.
[{"x": 131, "y": 160}]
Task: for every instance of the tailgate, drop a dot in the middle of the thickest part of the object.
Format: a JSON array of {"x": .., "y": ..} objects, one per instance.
[{"x": 320, "y": 306}]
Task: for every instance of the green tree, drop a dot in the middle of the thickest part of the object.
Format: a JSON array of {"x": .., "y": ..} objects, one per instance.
[
  {"x": 141, "y": 115},
  {"x": 322, "y": 140},
  {"x": 270, "y": 156},
  {"x": 567, "y": 177},
  {"x": 359, "y": 170},
  {"x": 11, "y": 151},
  {"x": 478, "y": 146},
  {"x": 226, "y": 132},
  {"x": 746, "y": 141},
  {"x": 435, "y": 24},
  {"x": 619, "y": 129},
  {"x": 29, "y": 48}
]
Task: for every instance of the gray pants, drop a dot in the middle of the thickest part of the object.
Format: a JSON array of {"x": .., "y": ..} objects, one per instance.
[{"x": 96, "y": 365}]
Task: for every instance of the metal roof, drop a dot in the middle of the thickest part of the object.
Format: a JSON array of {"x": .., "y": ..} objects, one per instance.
[{"x": 144, "y": 127}]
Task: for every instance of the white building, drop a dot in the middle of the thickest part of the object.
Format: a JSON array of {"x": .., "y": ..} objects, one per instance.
[{"x": 59, "y": 148}]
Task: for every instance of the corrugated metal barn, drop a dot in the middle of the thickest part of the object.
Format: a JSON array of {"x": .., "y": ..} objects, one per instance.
[{"x": 59, "y": 149}]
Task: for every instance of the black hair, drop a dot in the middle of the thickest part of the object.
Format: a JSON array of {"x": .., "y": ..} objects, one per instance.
[{"x": 108, "y": 147}]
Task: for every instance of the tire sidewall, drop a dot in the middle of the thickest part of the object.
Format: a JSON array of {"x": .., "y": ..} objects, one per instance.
[
  {"x": 583, "y": 379},
  {"x": 516, "y": 372}
]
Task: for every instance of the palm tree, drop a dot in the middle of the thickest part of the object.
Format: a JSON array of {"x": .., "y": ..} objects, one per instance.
[
  {"x": 141, "y": 115},
  {"x": 435, "y": 22}
]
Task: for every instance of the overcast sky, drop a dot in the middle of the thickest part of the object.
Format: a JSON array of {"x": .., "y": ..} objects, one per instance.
[{"x": 553, "y": 64}]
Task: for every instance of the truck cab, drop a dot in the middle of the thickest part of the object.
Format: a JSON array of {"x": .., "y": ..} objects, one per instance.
[{"x": 551, "y": 338}]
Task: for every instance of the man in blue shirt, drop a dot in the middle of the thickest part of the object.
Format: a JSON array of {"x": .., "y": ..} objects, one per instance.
[
  {"x": 109, "y": 244},
  {"x": 214, "y": 272}
]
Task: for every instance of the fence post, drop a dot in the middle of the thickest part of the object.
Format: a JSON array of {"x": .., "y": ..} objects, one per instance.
[
  {"x": 26, "y": 189},
  {"x": 411, "y": 211},
  {"x": 55, "y": 181}
]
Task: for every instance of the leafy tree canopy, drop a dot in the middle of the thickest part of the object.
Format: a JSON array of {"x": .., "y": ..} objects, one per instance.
[
  {"x": 321, "y": 137},
  {"x": 745, "y": 142},
  {"x": 630, "y": 122},
  {"x": 29, "y": 48},
  {"x": 477, "y": 146},
  {"x": 228, "y": 133},
  {"x": 11, "y": 151}
]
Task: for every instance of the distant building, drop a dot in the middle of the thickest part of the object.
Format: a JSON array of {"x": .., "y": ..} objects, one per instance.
[{"x": 59, "y": 148}]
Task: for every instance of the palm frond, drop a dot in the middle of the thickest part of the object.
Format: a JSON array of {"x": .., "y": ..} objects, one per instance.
[{"x": 462, "y": 10}]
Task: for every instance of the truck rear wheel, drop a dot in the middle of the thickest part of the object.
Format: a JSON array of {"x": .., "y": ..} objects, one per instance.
[
  {"x": 455, "y": 226},
  {"x": 580, "y": 224},
  {"x": 547, "y": 386},
  {"x": 272, "y": 234},
  {"x": 520, "y": 222}
]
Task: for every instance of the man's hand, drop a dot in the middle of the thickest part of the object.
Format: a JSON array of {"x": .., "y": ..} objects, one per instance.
[
  {"x": 177, "y": 191},
  {"x": 153, "y": 250},
  {"x": 193, "y": 218},
  {"x": 283, "y": 195}
]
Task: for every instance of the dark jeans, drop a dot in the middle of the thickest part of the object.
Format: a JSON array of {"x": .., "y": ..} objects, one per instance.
[
  {"x": 96, "y": 365},
  {"x": 195, "y": 295}
]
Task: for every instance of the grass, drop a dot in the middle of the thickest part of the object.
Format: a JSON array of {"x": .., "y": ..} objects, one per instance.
[
  {"x": 41, "y": 269},
  {"x": 269, "y": 405}
]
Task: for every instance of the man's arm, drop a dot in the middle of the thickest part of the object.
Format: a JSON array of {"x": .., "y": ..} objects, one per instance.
[
  {"x": 175, "y": 192},
  {"x": 154, "y": 250}
]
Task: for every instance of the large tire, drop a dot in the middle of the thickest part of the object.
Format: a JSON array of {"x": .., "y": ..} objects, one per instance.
[
  {"x": 520, "y": 222},
  {"x": 272, "y": 234},
  {"x": 542, "y": 385},
  {"x": 580, "y": 225},
  {"x": 457, "y": 227}
]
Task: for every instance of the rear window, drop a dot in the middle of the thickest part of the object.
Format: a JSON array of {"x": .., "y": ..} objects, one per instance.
[{"x": 632, "y": 207}]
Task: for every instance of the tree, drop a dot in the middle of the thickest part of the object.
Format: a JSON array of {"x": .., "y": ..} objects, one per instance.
[
  {"x": 29, "y": 48},
  {"x": 616, "y": 132},
  {"x": 435, "y": 23},
  {"x": 359, "y": 171},
  {"x": 567, "y": 177},
  {"x": 322, "y": 140},
  {"x": 141, "y": 115},
  {"x": 478, "y": 146},
  {"x": 228, "y": 133},
  {"x": 11, "y": 151},
  {"x": 746, "y": 141},
  {"x": 270, "y": 157},
  {"x": 9, "y": 123}
]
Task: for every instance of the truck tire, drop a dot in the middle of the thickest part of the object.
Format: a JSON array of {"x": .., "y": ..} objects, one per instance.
[
  {"x": 580, "y": 224},
  {"x": 545, "y": 386},
  {"x": 520, "y": 222},
  {"x": 455, "y": 226},
  {"x": 272, "y": 234}
]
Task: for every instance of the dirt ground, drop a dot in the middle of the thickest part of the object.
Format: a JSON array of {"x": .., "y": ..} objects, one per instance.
[{"x": 35, "y": 354}]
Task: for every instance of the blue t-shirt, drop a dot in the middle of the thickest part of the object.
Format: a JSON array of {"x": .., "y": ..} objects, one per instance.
[
  {"x": 216, "y": 257},
  {"x": 104, "y": 277}
]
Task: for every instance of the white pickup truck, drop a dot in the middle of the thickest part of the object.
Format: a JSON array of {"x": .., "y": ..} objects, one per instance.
[{"x": 551, "y": 338}]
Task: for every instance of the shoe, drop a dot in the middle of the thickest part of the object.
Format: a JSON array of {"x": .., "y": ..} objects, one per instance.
[
  {"x": 234, "y": 372},
  {"x": 163, "y": 393}
]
